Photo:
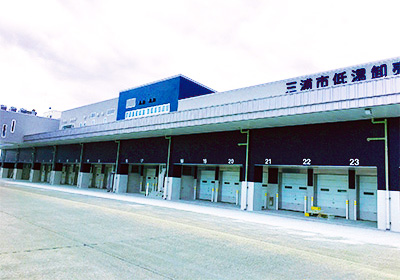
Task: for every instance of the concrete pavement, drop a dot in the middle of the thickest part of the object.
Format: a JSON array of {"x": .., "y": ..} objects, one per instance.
[{"x": 83, "y": 234}]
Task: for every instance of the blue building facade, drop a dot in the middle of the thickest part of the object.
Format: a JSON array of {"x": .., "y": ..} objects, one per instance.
[{"x": 158, "y": 98}]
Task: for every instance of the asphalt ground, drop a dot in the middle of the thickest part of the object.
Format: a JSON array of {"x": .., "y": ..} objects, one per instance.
[{"x": 49, "y": 234}]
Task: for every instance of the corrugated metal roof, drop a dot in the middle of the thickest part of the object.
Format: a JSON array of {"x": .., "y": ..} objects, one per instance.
[{"x": 339, "y": 103}]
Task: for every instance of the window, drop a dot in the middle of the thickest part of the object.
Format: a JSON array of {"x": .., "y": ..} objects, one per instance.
[
  {"x": 13, "y": 124},
  {"x": 104, "y": 120},
  {"x": 3, "y": 131},
  {"x": 92, "y": 115},
  {"x": 68, "y": 126},
  {"x": 130, "y": 103},
  {"x": 72, "y": 120},
  {"x": 110, "y": 111}
]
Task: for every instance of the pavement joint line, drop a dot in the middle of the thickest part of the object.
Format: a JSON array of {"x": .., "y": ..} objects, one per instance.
[
  {"x": 94, "y": 247},
  {"x": 41, "y": 249},
  {"x": 250, "y": 240}
]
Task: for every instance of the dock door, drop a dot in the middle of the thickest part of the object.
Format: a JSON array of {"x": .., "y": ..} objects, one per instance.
[
  {"x": 207, "y": 183},
  {"x": 294, "y": 188},
  {"x": 332, "y": 194},
  {"x": 230, "y": 186},
  {"x": 368, "y": 198}
]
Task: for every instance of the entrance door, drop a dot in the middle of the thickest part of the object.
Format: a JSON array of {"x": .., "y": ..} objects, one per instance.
[
  {"x": 207, "y": 182},
  {"x": 294, "y": 188},
  {"x": 332, "y": 194},
  {"x": 368, "y": 198},
  {"x": 230, "y": 184}
]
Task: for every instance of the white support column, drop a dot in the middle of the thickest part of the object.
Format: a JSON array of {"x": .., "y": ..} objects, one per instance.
[
  {"x": 355, "y": 209},
  {"x": 166, "y": 187},
  {"x": 352, "y": 196},
  {"x": 216, "y": 191},
  {"x": 55, "y": 177},
  {"x": 173, "y": 188},
  {"x": 34, "y": 176},
  {"x": 4, "y": 172},
  {"x": 255, "y": 198},
  {"x": 83, "y": 180},
  {"x": 395, "y": 210},
  {"x": 305, "y": 204},
  {"x": 17, "y": 174},
  {"x": 347, "y": 209},
  {"x": 244, "y": 196},
  {"x": 277, "y": 202},
  {"x": 121, "y": 183}
]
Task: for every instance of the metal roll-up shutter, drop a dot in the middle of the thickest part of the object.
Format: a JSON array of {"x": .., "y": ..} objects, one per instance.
[
  {"x": 294, "y": 188},
  {"x": 368, "y": 198},
  {"x": 332, "y": 193},
  {"x": 207, "y": 182},
  {"x": 229, "y": 185}
]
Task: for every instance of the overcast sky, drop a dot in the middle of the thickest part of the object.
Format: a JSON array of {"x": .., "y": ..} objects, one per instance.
[{"x": 65, "y": 54}]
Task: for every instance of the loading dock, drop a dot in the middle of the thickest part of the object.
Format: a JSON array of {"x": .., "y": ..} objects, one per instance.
[
  {"x": 150, "y": 180},
  {"x": 72, "y": 171},
  {"x": 69, "y": 174},
  {"x": 100, "y": 174},
  {"x": 45, "y": 172},
  {"x": 26, "y": 170},
  {"x": 147, "y": 179}
]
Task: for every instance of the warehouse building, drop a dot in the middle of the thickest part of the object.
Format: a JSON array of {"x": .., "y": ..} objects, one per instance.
[{"x": 328, "y": 140}]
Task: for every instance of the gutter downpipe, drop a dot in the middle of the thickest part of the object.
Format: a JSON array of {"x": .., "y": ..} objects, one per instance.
[
  {"x": 247, "y": 132},
  {"x": 167, "y": 171},
  {"x": 81, "y": 157},
  {"x": 387, "y": 193},
  {"x": 53, "y": 164},
  {"x": 117, "y": 160},
  {"x": 116, "y": 165}
]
